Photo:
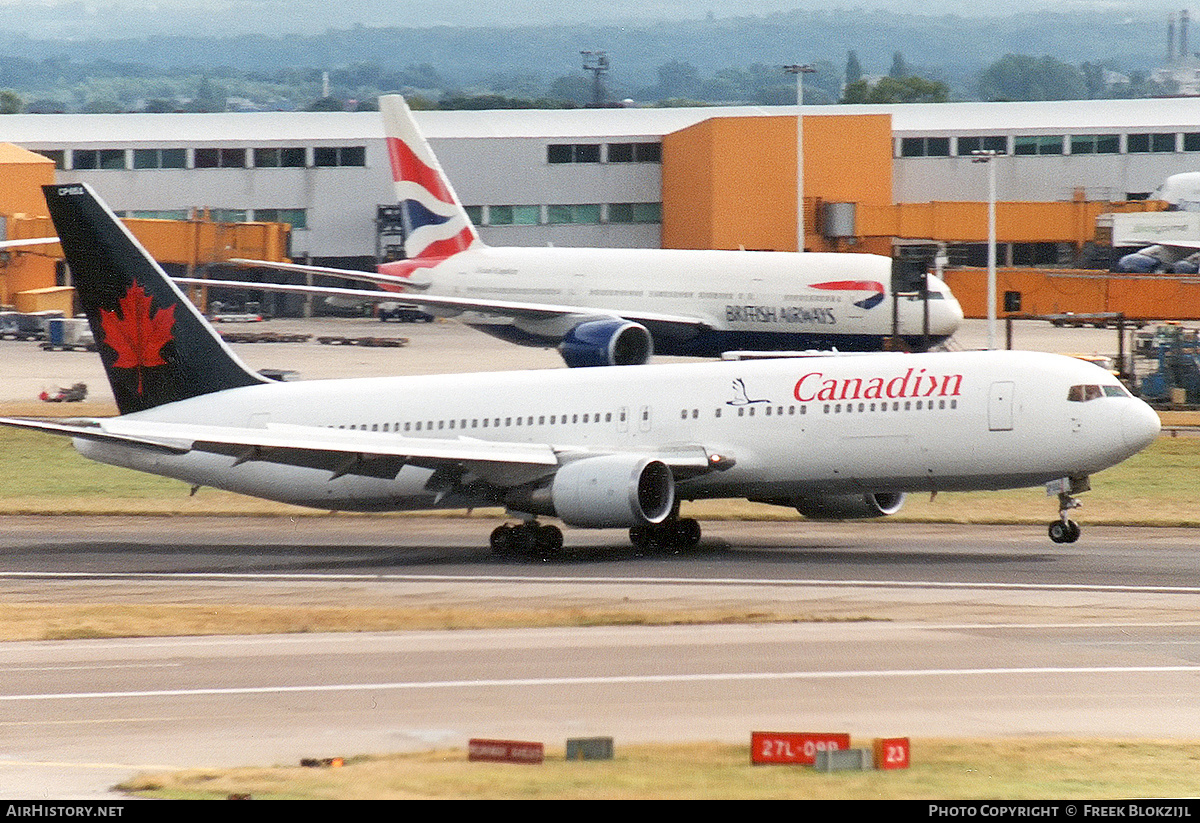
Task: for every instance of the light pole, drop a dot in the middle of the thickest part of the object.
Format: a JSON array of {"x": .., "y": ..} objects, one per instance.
[
  {"x": 597, "y": 63},
  {"x": 799, "y": 71},
  {"x": 988, "y": 156}
]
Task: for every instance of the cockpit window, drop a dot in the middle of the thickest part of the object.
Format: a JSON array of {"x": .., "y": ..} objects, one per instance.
[{"x": 1084, "y": 393}]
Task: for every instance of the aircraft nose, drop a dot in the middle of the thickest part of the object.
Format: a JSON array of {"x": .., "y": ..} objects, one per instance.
[
  {"x": 1139, "y": 426},
  {"x": 949, "y": 315}
]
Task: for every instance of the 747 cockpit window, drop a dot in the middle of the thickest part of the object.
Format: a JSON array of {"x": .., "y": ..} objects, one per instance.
[{"x": 1084, "y": 393}]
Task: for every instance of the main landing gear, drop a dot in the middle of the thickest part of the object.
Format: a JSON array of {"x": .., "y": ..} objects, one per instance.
[
  {"x": 529, "y": 539},
  {"x": 1065, "y": 530},
  {"x": 541, "y": 542},
  {"x": 672, "y": 533}
]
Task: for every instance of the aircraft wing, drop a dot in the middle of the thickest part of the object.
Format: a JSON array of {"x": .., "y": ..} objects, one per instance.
[
  {"x": 453, "y": 305},
  {"x": 349, "y": 451},
  {"x": 402, "y": 283}
]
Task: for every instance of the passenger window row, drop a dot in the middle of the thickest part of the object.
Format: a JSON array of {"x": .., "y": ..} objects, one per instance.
[
  {"x": 765, "y": 410},
  {"x": 895, "y": 405},
  {"x": 752, "y": 410},
  {"x": 488, "y": 422}
]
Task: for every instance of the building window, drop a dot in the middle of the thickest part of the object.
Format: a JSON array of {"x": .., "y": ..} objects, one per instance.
[
  {"x": 1095, "y": 144},
  {"x": 1191, "y": 141},
  {"x": 573, "y": 213},
  {"x": 1029, "y": 144},
  {"x": 344, "y": 156},
  {"x": 573, "y": 153},
  {"x": 228, "y": 215},
  {"x": 296, "y": 218},
  {"x": 635, "y": 213},
  {"x": 280, "y": 158},
  {"x": 160, "y": 158},
  {"x": 635, "y": 152},
  {"x": 1150, "y": 143},
  {"x": 57, "y": 155},
  {"x": 106, "y": 159},
  {"x": 925, "y": 147},
  {"x": 514, "y": 215},
  {"x": 996, "y": 143},
  {"x": 207, "y": 158},
  {"x": 220, "y": 158},
  {"x": 160, "y": 214}
]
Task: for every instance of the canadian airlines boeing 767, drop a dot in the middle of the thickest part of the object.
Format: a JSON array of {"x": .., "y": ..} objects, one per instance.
[
  {"x": 833, "y": 436},
  {"x": 621, "y": 306}
]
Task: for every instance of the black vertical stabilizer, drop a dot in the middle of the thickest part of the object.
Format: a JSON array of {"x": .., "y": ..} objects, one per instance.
[{"x": 156, "y": 347}]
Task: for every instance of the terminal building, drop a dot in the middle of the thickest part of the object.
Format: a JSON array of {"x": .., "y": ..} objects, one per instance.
[{"x": 875, "y": 177}]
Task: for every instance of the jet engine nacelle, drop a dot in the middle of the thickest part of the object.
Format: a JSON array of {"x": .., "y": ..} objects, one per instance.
[
  {"x": 613, "y": 491},
  {"x": 607, "y": 342},
  {"x": 849, "y": 506}
]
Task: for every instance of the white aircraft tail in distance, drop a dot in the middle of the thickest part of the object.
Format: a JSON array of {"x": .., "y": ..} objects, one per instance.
[
  {"x": 832, "y": 436},
  {"x": 609, "y": 306}
]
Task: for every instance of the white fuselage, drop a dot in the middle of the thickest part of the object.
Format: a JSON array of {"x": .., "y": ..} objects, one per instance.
[
  {"x": 743, "y": 296},
  {"x": 810, "y": 425}
]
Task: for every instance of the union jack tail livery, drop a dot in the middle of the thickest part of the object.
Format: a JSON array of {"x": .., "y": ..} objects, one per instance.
[{"x": 435, "y": 222}]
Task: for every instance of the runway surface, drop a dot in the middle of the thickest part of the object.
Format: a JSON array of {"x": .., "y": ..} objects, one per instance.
[{"x": 917, "y": 631}]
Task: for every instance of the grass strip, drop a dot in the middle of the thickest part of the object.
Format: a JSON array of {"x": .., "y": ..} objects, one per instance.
[{"x": 1011, "y": 769}]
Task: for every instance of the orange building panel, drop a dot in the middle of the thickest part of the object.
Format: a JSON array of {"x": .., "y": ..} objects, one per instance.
[
  {"x": 1058, "y": 291},
  {"x": 730, "y": 183},
  {"x": 22, "y": 175}
]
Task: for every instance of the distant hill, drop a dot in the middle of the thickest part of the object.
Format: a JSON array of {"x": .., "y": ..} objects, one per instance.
[{"x": 947, "y": 46}]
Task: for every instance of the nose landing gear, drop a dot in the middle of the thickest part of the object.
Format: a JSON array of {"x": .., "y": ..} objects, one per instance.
[{"x": 1065, "y": 530}]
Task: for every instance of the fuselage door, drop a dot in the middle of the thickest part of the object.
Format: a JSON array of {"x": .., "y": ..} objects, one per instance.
[{"x": 1000, "y": 407}]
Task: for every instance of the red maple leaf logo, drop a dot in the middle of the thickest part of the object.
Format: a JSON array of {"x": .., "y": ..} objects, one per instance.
[{"x": 136, "y": 335}]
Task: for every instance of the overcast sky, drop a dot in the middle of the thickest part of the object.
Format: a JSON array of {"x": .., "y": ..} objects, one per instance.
[{"x": 80, "y": 18}]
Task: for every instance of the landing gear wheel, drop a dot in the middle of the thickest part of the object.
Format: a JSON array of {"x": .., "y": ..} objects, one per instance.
[
  {"x": 674, "y": 533},
  {"x": 530, "y": 539},
  {"x": 1064, "y": 531},
  {"x": 501, "y": 541},
  {"x": 685, "y": 534},
  {"x": 548, "y": 540},
  {"x": 641, "y": 537}
]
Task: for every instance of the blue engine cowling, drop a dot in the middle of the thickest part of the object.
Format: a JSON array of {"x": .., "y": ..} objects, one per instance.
[
  {"x": 608, "y": 342},
  {"x": 1138, "y": 263}
]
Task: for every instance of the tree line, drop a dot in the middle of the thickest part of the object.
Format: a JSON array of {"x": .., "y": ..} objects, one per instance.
[{"x": 56, "y": 85}]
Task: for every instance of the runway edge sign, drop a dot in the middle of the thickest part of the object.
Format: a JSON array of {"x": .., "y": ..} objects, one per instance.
[{"x": 794, "y": 747}]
